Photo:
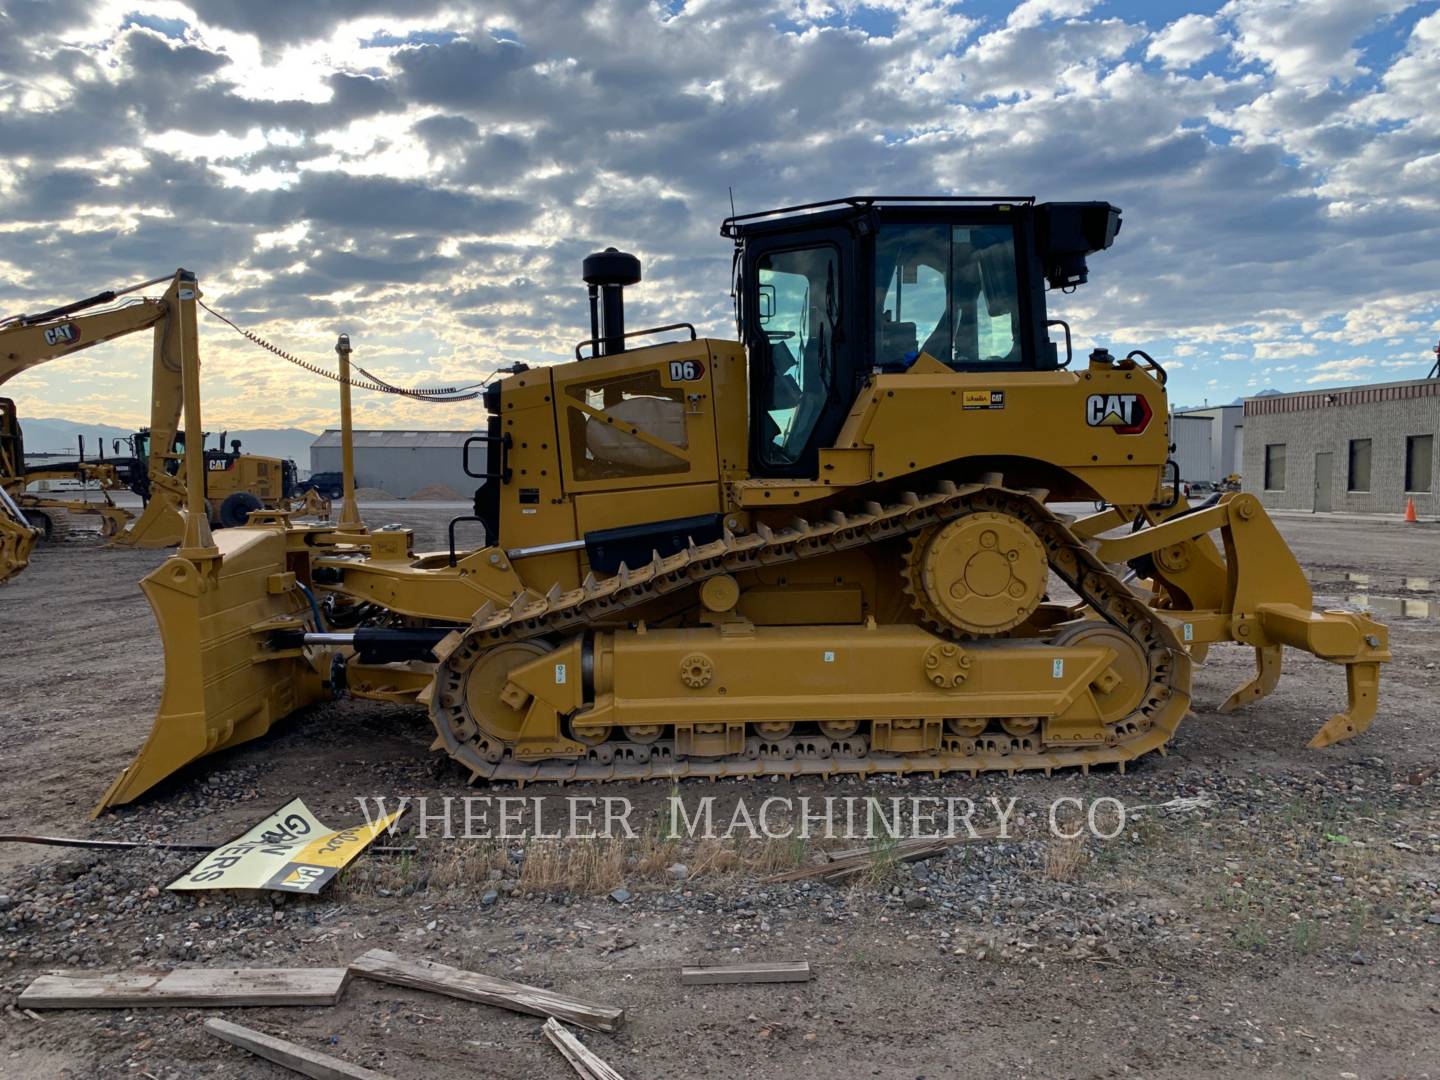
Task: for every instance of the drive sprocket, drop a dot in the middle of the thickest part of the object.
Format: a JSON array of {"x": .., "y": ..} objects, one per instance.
[{"x": 977, "y": 576}]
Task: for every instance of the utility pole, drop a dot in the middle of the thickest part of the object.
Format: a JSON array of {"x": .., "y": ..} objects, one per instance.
[{"x": 349, "y": 513}]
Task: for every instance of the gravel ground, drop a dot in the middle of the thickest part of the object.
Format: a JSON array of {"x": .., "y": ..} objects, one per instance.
[{"x": 1282, "y": 916}]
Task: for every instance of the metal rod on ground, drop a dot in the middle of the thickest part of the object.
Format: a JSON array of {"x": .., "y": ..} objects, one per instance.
[
  {"x": 349, "y": 511},
  {"x": 157, "y": 845}
]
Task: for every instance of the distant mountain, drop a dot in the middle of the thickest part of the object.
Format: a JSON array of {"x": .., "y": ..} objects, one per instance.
[
  {"x": 55, "y": 434},
  {"x": 60, "y": 435}
]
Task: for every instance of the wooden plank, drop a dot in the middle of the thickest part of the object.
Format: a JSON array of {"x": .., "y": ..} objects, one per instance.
[
  {"x": 783, "y": 971},
  {"x": 472, "y": 986},
  {"x": 583, "y": 1060},
  {"x": 186, "y": 988},
  {"x": 301, "y": 1059}
]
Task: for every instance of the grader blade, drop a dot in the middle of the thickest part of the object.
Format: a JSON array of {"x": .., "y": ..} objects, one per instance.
[{"x": 224, "y": 684}]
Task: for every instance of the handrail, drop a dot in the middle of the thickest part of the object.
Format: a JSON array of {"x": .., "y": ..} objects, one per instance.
[
  {"x": 1069, "y": 352},
  {"x": 595, "y": 342},
  {"x": 1150, "y": 364}
]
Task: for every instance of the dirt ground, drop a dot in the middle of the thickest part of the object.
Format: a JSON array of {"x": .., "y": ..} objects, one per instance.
[{"x": 1281, "y": 918}]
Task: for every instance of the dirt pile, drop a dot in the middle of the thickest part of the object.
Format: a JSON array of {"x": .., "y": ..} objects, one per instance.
[{"x": 436, "y": 493}]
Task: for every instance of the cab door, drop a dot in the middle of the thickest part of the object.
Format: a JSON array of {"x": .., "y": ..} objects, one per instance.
[{"x": 799, "y": 328}]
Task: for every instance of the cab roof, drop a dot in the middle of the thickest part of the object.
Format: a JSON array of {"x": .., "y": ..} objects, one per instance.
[{"x": 738, "y": 225}]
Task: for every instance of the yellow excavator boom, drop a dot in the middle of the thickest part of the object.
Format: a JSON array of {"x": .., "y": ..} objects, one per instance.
[{"x": 26, "y": 341}]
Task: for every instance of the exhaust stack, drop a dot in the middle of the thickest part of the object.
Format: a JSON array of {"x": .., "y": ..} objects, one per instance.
[{"x": 607, "y": 273}]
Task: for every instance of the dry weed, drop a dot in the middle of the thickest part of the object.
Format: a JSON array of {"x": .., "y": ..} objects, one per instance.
[
  {"x": 583, "y": 867},
  {"x": 1065, "y": 857}
]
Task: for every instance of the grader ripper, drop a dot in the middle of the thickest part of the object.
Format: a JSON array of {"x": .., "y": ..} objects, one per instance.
[{"x": 827, "y": 547}]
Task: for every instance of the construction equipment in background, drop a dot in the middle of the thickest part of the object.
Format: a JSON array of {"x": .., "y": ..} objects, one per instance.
[
  {"x": 50, "y": 514},
  {"x": 236, "y": 483},
  {"x": 17, "y": 534},
  {"x": 828, "y": 547},
  {"x": 17, "y": 538}
]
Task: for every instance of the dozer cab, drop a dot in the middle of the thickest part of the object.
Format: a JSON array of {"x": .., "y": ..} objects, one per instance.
[{"x": 827, "y": 547}]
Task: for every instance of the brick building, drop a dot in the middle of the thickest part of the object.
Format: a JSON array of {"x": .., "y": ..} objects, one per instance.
[{"x": 1364, "y": 449}]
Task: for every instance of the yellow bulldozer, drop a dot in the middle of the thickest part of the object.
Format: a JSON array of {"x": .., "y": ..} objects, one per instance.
[
  {"x": 235, "y": 483},
  {"x": 830, "y": 546}
]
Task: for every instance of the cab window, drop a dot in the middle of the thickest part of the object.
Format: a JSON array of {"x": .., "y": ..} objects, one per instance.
[
  {"x": 950, "y": 291},
  {"x": 798, "y": 308}
]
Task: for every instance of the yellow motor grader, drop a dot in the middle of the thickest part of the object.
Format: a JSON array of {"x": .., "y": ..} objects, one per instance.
[
  {"x": 236, "y": 483},
  {"x": 827, "y": 547}
]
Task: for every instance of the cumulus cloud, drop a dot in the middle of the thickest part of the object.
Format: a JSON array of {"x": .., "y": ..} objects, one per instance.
[
  {"x": 428, "y": 176},
  {"x": 1306, "y": 42},
  {"x": 1187, "y": 40},
  {"x": 1356, "y": 369},
  {"x": 1034, "y": 12}
]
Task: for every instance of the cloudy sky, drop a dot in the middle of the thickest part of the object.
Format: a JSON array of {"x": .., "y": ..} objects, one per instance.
[{"x": 427, "y": 175}]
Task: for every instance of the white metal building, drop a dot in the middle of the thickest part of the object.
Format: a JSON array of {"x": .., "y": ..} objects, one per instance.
[
  {"x": 1225, "y": 435},
  {"x": 402, "y": 462},
  {"x": 1192, "y": 438}
]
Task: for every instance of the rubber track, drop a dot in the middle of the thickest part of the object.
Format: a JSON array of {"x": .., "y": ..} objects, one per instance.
[{"x": 560, "y": 611}]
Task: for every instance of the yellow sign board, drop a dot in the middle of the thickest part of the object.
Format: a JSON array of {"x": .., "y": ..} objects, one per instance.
[{"x": 291, "y": 850}]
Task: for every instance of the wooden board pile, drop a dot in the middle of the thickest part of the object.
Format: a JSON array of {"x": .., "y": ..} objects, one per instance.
[{"x": 190, "y": 988}]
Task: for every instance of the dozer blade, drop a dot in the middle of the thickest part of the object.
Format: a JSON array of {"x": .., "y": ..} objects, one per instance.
[{"x": 224, "y": 684}]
